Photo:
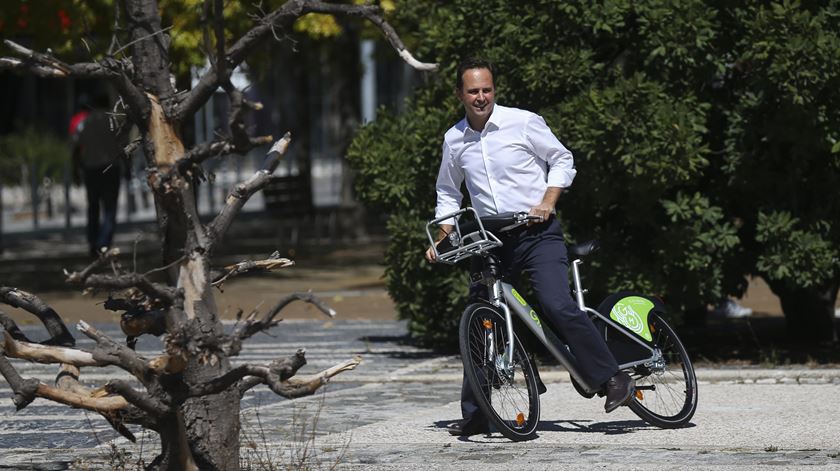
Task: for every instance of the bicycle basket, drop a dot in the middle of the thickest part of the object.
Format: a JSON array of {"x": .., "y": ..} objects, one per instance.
[{"x": 465, "y": 240}]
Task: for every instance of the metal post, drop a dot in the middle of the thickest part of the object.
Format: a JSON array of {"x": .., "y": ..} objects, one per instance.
[
  {"x": 1, "y": 216},
  {"x": 33, "y": 194},
  {"x": 65, "y": 177}
]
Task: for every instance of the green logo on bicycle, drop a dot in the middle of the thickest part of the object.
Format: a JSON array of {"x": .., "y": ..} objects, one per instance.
[
  {"x": 632, "y": 312},
  {"x": 535, "y": 317},
  {"x": 522, "y": 301},
  {"x": 519, "y": 297}
]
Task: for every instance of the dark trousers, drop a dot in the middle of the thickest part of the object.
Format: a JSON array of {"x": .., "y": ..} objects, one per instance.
[
  {"x": 103, "y": 188},
  {"x": 540, "y": 253}
]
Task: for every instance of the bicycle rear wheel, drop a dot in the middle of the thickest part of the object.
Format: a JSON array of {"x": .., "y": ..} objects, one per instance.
[
  {"x": 666, "y": 393},
  {"x": 509, "y": 399}
]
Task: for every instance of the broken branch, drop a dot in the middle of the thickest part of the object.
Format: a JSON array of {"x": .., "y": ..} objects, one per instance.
[
  {"x": 273, "y": 262},
  {"x": 243, "y": 191},
  {"x": 48, "y": 354}
]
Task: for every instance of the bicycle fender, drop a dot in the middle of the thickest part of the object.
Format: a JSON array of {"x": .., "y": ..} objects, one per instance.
[{"x": 630, "y": 310}]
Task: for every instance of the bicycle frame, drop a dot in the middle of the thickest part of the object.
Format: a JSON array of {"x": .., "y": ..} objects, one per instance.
[{"x": 505, "y": 297}]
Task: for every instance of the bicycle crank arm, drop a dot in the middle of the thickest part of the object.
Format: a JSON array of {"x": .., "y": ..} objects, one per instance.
[{"x": 651, "y": 387}]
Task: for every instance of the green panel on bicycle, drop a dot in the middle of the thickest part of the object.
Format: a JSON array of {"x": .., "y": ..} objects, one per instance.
[{"x": 632, "y": 312}]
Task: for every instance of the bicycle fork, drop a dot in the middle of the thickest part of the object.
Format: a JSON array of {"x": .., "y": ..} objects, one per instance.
[{"x": 504, "y": 364}]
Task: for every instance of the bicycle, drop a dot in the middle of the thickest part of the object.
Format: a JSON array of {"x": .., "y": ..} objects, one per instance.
[{"x": 501, "y": 372}]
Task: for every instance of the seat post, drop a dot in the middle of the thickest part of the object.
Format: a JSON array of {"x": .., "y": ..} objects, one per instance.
[
  {"x": 578, "y": 288},
  {"x": 490, "y": 277}
]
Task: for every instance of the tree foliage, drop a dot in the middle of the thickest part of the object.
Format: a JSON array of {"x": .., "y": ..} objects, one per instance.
[
  {"x": 35, "y": 150},
  {"x": 693, "y": 124}
]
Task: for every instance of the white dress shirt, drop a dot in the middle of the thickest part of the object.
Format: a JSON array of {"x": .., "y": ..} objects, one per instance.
[{"x": 507, "y": 166}]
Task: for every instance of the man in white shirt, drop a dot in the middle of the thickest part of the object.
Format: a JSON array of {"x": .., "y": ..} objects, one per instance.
[{"x": 511, "y": 161}]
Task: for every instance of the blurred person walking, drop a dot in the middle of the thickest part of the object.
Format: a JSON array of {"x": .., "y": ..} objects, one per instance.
[{"x": 96, "y": 151}]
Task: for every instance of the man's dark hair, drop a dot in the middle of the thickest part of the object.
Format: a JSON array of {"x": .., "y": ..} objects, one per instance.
[{"x": 473, "y": 63}]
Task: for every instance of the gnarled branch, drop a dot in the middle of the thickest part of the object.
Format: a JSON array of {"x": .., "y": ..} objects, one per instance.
[
  {"x": 59, "y": 334},
  {"x": 130, "y": 280},
  {"x": 11, "y": 328},
  {"x": 68, "y": 380},
  {"x": 373, "y": 14},
  {"x": 137, "y": 398},
  {"x": 201, "y": 152},
  {"x": 26, "y": 390},
  {"x": 299, "y": 387},
  {"x": 109, "y": 351},
  {"x": 275, "y": 373},
  {"x": 243, "y": 191},
  {"x": 252, "y": 325},
  {"x": 165, "y": 294},
  {"x": 45, "y": 65}
]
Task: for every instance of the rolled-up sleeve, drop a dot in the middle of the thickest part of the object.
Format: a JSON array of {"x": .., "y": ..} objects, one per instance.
[
  {"x": 561, "y": 170},
  {"x": 448, "y": 186}
]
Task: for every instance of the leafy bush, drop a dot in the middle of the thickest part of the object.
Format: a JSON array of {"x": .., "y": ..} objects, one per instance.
[{"x": 687, "y": 119}]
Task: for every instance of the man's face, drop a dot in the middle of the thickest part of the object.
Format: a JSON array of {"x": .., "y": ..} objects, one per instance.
[{"x": 478, "y": 95}]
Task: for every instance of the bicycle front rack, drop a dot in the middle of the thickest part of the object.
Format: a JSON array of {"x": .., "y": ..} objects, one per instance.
[{"x": 464, "y": 241}]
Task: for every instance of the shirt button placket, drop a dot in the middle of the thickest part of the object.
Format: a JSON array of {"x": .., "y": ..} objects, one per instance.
[{"x": 485, "y": 158}]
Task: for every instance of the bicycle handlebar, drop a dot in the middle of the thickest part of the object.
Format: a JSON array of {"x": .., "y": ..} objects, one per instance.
[{"x": 474, "y": 237}]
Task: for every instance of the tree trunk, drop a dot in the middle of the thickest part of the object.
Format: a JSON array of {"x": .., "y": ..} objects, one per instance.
[
  {"x": 211, "y": 423},
  {"x": 809, "y": 312}
]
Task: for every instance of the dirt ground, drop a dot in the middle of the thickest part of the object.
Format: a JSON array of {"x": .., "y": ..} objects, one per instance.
[
  {"x": 358, "y": 292},
  {"x": 354, "y": 291}
]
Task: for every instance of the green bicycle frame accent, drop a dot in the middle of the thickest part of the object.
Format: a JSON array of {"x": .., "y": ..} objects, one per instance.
[{"x": 530, "y": 318}]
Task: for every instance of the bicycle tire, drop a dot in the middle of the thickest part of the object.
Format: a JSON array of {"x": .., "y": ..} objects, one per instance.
[
  {"x": 674, "y": 400},
  {"x": 511, "y": 404}
]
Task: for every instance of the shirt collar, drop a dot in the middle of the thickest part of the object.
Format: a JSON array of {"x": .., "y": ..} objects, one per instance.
[{"x": 493, "y": 122}]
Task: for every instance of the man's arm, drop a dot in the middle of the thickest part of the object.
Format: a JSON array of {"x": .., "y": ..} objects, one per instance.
[
  {"x": 545, "y": 145},
  {"x": 448, "y": 189}
]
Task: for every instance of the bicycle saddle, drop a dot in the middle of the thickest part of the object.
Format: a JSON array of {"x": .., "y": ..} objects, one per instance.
[{"x": 582, "y": 249}]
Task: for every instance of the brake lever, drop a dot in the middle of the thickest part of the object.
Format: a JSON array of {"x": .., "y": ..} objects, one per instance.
[{"x": 519, "y": 219}]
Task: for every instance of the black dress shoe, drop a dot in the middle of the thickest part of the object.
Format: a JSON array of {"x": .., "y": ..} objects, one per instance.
[
  {"x": 620, "y": 389},
  {"x": 466, "y": 427}
]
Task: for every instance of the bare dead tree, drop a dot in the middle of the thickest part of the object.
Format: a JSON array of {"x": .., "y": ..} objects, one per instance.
[{"x": 193, "y": 374}]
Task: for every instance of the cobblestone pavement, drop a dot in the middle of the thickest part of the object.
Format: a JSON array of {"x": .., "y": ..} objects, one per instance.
[{"x": 390, "y": 413}]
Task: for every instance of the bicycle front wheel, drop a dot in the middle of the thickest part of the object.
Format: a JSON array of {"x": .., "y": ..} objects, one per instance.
[
  {"x": 507, "y": 396},
  {"x": 666, "y": 392}
]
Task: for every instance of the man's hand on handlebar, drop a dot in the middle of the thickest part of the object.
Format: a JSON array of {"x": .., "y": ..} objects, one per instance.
[
  {"x": 540, "y": 213},
  {"x": 444, "y": 230}
]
